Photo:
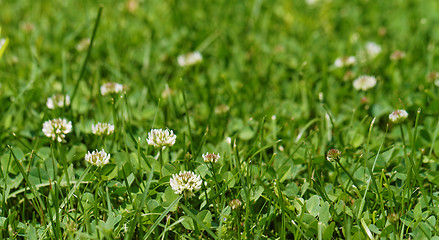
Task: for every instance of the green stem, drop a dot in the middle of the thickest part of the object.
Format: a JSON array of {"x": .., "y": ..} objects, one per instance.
[
  {"x": 81, "y": 75},
  {"x": 409, "y": 167},
  {"x": 349, "y": 175},
  {"x": 63, "y": 159},
  {"x": 212, "y": 170},
  {"x": 161, "y": 161},
  {"x": 116, "y": 125},
  {"x": 341, "y": 182}
]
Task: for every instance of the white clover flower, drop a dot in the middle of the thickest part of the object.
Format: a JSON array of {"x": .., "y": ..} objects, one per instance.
[
  {"x": 57, "y": 129},
  {"x": 344, "y": 61},
  {"x": 221, "y": 109},
  {"x": 235, "y": 204},
  {"x": 372, "y": 49},
  {"x": 397, "y": 55},
  {"x": 433, "y": 76},
  {"x": 211, "y": 157},
  {"x": 83, "y": 44},
  {"x": 98, "y": 158},
  {"x": 333, "y": 154},
  {"x": 189, "y": 59},
  {"x": 398, "y": 116},
  {"x": 161, "y": 138},
  {"x": 102, "y": 129},
  {"x": 132, "y": 6},
  {"x": 364, "y": 82},
  {"x": 167, "y": 92},
  {"x": 311, "y": 2},
  {"x": 186, "y": 183},
  {"x": 58, "y": 100},
  {"x": 354, "y": 37},
  {"x": 111, "y": 87}
]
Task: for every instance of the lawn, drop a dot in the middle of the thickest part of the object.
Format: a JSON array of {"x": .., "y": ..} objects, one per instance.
[{"x": 167, "y": 119}]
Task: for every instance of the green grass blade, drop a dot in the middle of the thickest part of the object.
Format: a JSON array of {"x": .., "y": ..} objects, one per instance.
[
  {"x": 188, "y": 212},
  {"x": 84, "y": 64},
  {"x": 160, "y": 218}
]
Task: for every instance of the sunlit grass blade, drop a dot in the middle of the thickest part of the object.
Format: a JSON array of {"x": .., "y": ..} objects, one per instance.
[{"x": 160, "y": 218}]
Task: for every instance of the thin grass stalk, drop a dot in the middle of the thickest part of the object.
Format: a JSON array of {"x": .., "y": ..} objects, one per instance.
[{"x": 84, "y": 64}]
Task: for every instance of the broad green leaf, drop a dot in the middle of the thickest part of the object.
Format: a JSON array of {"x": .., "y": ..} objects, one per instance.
[
  {"x": 108, "y": 171},
  {"x": 160, "y": 218},
  {"x": 206, "y": 217},
  {"x": 357, "y": 140},
  {"x": 433, "y": 177},
  {"x": 256, "y": 193},
  {"x": 187, "y": 223},
  {"x": 168, "y": 169},
  {"x": 329, "y": 231},
  {"x": 228, "y": 177},
  {"x": 152, "y": 204},
  {"x": 291, "y": 190},
  {"x": 324, "y": 214},
  {"x": 203, "y": 226},
  {"x": 422, "y": 231},
  {"x": 319, "y": 159},
  {"x": 120, "y": 159},
  {"x": 246, "y": 134},
  {"x": 168, "y": 198},
  {"x": 374, "y": 229},
  {"x": 417, "y": 212},
  {"x": 202, "y": 170},
  {"x": 313, "y": 205},
  {"x": 130, "y": 179},
  {"x": 31, "y": 233}
]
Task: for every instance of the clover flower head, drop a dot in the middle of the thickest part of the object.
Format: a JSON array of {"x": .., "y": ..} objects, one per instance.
[
  {"x": 221, "y": 109},
  {"x": 110, "y": 88},
  {"x": 167, "y": 92},
  {"x": 83, "y": 44},
  {"x": 2, "y": 42},
  {"x": 398, "y": 116},
  {"x": 58, "y": 101},
  {"x": 189, "y": 59},
  {"x": 333, "y": 154},
  {"x": 210, "y": 157},
  {"x": 372, "y": 49},
  {"x": 344, "y": 61},
  {"x": 349, "y": 75},
  {"x": 27, "y": 27},
  {"x": 161, "y": 138},
  {"x": 186, "y": 182},
  {"x": 98, "y": 158},
  {"x": 57, "y": 129},
  {"x": 311, "y": 2},
  {"x": 365, "y": 82},
  {"x": 102, "y": 129},
  {"x": 132, "y": 6},
  {"x": 397, "y": 55},
  {"x": 235, "y": 204},
  {"x": 433, "y": 76}
]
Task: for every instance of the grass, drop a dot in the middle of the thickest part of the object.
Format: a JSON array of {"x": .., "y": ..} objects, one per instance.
[{"x": 266, "y": 96}]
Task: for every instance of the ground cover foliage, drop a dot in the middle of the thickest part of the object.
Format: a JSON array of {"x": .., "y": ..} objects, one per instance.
[{"x": 294, "y": 96}]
